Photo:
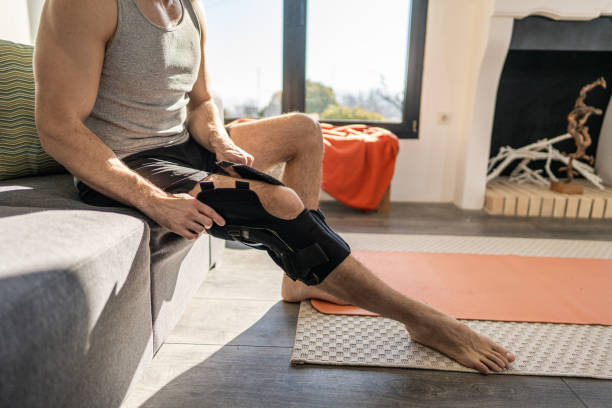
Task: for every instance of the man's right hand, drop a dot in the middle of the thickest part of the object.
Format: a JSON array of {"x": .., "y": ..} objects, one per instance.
[{"x": 183, "y": 214}]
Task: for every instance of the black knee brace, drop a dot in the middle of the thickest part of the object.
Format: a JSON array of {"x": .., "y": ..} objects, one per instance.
[{"x": 305, "y": 247}]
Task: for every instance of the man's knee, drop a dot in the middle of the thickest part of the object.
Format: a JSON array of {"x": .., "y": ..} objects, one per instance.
[
  {"x": 301, "y": 243},
  {"x": 307, "y": 131},
  {"x": 281, "y": 202}
]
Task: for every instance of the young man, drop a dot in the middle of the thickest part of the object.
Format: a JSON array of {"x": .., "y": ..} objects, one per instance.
[{"x": 123, "y": 102}]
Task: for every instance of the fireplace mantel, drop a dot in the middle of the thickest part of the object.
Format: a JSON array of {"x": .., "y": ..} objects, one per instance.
[
  {"x": 555, "y": 9},
  {"x": 476, "y": 143}
]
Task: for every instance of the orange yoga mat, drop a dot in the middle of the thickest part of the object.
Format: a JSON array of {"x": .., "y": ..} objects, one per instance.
[{"x": 496, "y": 287}]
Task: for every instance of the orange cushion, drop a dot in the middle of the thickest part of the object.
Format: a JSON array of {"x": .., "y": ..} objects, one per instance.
[{"x": 358, "y": 164}]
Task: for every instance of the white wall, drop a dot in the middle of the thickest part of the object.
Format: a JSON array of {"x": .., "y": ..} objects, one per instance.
[
  {"x": 14, "y": 21},
  {"x": 34, "y": 9},
  {"x": 19, "y": 20},
  {"x": 456, "y": 34}
]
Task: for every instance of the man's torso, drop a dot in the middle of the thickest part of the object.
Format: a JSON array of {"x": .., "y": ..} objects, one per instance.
[{"x": 147, "y": 74}]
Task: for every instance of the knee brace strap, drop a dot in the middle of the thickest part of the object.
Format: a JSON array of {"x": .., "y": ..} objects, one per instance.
[
  {"x": 247, "y": 172},
  {"x": 305, "y": 247}
]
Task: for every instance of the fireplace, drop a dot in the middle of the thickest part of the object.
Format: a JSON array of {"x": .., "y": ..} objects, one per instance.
[
  {"x": 547, "y": 64},
  {"x": 499, "y": 46}
]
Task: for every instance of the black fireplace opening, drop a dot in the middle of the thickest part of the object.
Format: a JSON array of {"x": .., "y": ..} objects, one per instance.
[{"x": 547, "y": 65}]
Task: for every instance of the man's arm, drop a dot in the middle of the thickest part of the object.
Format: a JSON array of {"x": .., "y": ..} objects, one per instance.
[
  {"x": 204, "y": 121},
  {"x": 68, "y": 62}
]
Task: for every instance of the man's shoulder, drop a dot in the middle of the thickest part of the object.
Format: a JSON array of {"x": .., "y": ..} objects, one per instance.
[{"x": 96, "y": 16}]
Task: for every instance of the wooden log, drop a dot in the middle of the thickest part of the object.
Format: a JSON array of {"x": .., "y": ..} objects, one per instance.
[
  {"x": 571, "y": 208},
  {"x": 586, "y": 203},
  {"x": 510, "y": 199},
  {"x": 567, "y": 188},
  {"x": 602, "y": 200},
  {"x": 494, "y": 200},
  {"x": 550, "y": 200},
  {"x": 598, "y": 207},
  {"x": 522, "y": 199},
  {"x": 504, "y": 197},
  {"x": 535, "y": 199}
]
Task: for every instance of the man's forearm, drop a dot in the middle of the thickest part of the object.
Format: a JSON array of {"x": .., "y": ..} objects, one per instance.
[
  {"x": 205, "y": 125},
  {"x": 84, "y": 155}
]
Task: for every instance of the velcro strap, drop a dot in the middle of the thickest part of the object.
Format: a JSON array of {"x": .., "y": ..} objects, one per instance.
[
  {"x": 242, "y": 185},
  {"x": 207, "y": 185},
  {"x": 225, "y": 163},
  {"x": 247, "y": 172}
]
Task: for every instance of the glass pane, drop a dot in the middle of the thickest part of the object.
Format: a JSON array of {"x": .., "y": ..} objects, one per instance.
[
  {"x": 244, "y": 55},
  {"x": 356, "y": 59}
]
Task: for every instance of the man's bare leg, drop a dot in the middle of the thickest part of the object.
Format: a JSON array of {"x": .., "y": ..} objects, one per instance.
[
  {"x": 355, "y": 283},
  {"x": 294, "y": 139}
]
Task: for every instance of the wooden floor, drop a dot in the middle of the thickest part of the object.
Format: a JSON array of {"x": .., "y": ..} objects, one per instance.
[{"x": 232, "y": 347}]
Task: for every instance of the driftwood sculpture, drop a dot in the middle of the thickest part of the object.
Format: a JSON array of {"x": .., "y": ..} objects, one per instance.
[
  {"x": 576, "y": 120},
  {"x": 544, "y": 150}
]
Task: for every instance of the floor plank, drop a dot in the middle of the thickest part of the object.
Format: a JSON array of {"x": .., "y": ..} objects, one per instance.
[
  {"x": 594, "y": 393},
  {"x": 447, "y": 219},
  {"x": 167, "y": 365},
  {"x": 241, "y": 281},
  {"x": 275, "y": 328},
  {"x": 238, "y": 376},
  {"x": 240, "y": 325},
  {"x": 217, "y": 321}
]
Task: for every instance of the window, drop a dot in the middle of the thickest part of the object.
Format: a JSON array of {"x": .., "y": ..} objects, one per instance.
[
  {"x": 347, "y": 61},
  {"x": 244, "y": 55},
  {"x": 356, "y": 59}
]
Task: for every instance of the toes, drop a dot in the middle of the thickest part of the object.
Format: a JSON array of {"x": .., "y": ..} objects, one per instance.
[
  {"x": 504, "y": 359},
  {"x": 491, "y": 364},
  {"x": 498, "y": 359},
  {"x": 509, "y": 356},
  {"x": 481, "y": 367}
]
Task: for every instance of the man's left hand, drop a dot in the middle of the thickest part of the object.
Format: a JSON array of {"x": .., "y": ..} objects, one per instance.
[{"x": 228, "y": 151}]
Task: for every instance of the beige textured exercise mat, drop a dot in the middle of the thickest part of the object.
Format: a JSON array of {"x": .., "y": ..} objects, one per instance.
[
  {"x": 561, "y": 248},
  {"x": 542, "y": 348}
]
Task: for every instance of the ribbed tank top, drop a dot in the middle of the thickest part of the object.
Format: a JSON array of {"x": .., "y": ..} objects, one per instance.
[{"x": 147, "y": 74}]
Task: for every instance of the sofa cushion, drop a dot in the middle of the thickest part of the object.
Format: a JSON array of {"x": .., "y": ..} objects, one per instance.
[
  {"x": 20, "y": 150},
  {"x": 50, "y": 191},
  {"x": 176, "y": 269},
  {"x": 75, "y": 307}
]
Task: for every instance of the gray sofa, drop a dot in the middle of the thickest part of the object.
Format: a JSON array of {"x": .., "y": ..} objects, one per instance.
[{"x": 87, "y": 294}]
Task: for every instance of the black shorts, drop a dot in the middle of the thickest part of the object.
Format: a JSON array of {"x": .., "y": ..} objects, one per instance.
[{"x": 174, "y": 169}]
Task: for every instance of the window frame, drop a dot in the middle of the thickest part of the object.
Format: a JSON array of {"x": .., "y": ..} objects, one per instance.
[{"x": 294, "y": 67}]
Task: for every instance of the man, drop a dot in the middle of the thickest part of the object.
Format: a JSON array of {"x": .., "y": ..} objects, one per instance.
[{"x": 123, "y": 102}]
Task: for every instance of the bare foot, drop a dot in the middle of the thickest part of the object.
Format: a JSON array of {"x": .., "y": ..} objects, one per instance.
[
  {"x": 296, "y": 291},
  {"x": 453, "y": 338}
]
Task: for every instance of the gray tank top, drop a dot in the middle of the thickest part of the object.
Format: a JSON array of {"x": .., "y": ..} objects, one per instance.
[{"x": 148, "y": 71}]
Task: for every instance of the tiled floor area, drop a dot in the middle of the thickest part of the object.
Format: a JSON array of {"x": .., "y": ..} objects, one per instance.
[{"x": 232, "y": 347}]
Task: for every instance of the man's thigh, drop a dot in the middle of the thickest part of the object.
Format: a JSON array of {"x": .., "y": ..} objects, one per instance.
[
  {"x": 280, "y": 201},
  {"x": 273, "y": 140}
]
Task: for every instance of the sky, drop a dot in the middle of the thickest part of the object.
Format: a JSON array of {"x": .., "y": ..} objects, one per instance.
[{"x": 350, "y": 43}]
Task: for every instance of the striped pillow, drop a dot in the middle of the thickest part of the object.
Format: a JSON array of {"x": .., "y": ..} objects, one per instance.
[{"x": 20, "y": 150}]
